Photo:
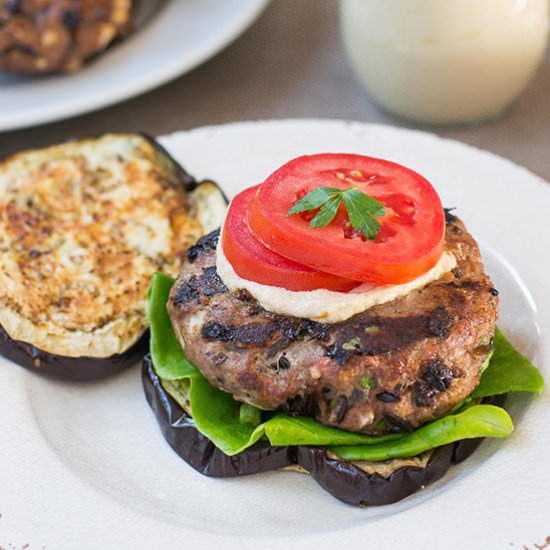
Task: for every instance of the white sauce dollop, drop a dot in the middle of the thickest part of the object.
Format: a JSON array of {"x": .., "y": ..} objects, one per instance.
[{"x": 327, "y": 306}]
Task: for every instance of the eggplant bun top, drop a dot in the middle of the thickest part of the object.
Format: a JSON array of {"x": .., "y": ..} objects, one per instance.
[{"x": 83, "y": 226}]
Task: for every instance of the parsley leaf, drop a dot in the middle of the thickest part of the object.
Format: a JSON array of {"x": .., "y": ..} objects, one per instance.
[
  {"x": 327, "y": 212},
  {"x": 314, "y": 199},
  {"x": 361, "y": 208},
  {"x": 364, "y": 202}
]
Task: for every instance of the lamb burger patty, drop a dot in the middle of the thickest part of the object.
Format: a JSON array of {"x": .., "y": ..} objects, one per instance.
[{"x": 392, "y": 367}]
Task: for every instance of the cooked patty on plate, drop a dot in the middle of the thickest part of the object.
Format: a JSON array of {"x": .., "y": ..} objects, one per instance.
[
  {"x": 44, "y": 36},
  {"x": 392, "y": 367}
]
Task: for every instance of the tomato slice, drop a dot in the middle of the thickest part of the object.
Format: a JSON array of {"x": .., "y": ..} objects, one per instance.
[
  {"x": 409, "y": 243},
  {"x": 253, "y": 261}
]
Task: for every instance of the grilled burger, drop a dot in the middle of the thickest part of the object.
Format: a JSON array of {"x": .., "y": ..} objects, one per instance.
[
  {"x": 396, "y": 365},
  {"x": 45, "y": 36},
  {"x": 83, "y": 226},
  {"x": 340, "y": 323}
]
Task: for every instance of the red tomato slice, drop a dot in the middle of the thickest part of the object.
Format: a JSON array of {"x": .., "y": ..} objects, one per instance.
[
  {"x": 410, "y": 240},
  {"x": 253, "y": 261}
]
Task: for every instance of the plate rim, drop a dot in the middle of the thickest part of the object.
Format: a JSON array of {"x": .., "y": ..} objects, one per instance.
[
  {"x": 352, "y": 534},
  {"x": 182, "y": 64}
]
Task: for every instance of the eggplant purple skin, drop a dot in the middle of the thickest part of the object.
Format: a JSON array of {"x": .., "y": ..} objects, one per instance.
[
  {"x": 188, "y": 181},
  {"x": 340, "y": 478},
  {"x": 82, "y": 369},
  {"x": 75, "y": 369}
]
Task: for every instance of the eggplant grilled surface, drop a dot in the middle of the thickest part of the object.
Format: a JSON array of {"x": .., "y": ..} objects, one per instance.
[
  {"x": 83, "y": 227},
  {"x": 393, "y": 367}
]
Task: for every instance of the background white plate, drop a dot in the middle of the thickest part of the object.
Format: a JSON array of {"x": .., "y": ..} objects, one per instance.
[
  {"x": 183, "y": 35},
  {"x": 85, "y": 466}
]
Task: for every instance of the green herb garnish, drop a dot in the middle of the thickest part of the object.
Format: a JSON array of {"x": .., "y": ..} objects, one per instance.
[
  {"x": 367, "y": 382},
  {"x": 361, "y": 208}
]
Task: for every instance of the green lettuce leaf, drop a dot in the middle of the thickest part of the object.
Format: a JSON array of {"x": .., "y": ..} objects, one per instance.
[
  {"x": 508, "y": 371},
  {"x": 284, "y": 430},
  {"x": 233, "y": 427},
  {"x": 168, "y": 358},
  {"x": 475, "y": 421}
]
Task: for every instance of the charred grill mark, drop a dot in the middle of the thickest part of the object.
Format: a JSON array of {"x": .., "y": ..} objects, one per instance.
[
  {"x": 251, "y": 334},
  {"x": 186, "y": 292},
  {"x": 204, "y": 245},
  {"x": 244, "y": 295},
  {"x": 423, "y": 394},
  {"x": 440, "y": 322},
  {"x": 368, "y": 335},
  {"x": 387, "y": 397},
  {"x": 316, "y": 330},
  {"x": 217, "y": 331},
  {"x": 339, "y": 354},
  {"x": 71, "y": 18},
  {"x": 21, "y": 48},
  {"x": 207, "y": 284},
  {"x": 435, "y": 378},
  {"x": 299, "y": 405},
  {"x": 295, "y": 329},
  {"x": 14, "y": 7},
  {"x": 397, "y": 423},
  {"x": 283, "y": 363},
  {"x": 210, "y": 282},
  {"x": 253, "y": 308},
  {"x": 279, "y": 345},
  {"x": 302, "y": 328},
  {"x": 437, "y": 374},
  {"x": 450, "y": 218},
  {"x": 288, "y": 330}
]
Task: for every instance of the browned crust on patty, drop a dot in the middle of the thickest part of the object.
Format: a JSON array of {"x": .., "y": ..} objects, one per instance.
[{"x": 392, "y": 367}]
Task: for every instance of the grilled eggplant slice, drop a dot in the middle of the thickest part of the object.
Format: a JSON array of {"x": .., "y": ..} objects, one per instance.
[
  {"x": 76, "y": 369},
  {"x": 83, "y": 227},
  {"x": 359, "y": 484}
]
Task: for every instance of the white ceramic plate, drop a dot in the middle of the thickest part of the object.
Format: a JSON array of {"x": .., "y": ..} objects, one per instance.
[
  {"x": 85, "y": 466},
  {"x": 183, "y": 35}
]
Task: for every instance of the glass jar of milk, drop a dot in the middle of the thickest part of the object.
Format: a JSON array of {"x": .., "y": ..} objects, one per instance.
[{"x": 445, "y": 61}]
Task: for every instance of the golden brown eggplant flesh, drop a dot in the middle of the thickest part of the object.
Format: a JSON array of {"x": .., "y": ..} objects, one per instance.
[{"x": 83, "y": 227}]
